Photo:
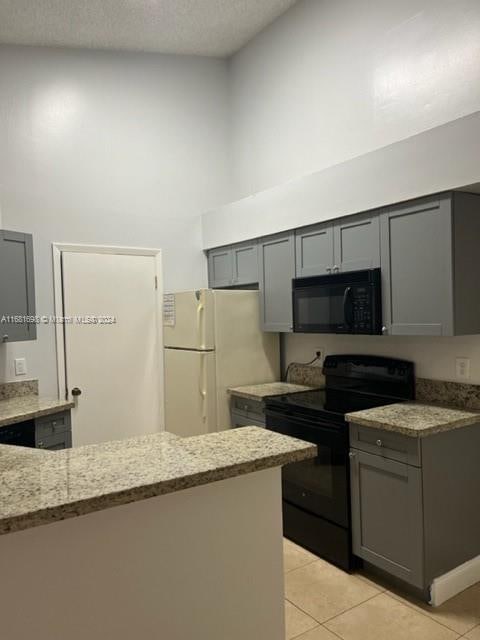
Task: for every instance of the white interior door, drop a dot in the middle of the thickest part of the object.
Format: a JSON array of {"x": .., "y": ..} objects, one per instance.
[
  {"x": 190, "y": 398},
  {"x": 116, "y": 366}
]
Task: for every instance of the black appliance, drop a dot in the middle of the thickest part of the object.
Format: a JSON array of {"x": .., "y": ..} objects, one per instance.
[
  {"x": 316, "y": 493},
  {"x": 348, "y": 302},
  {"x": 21, "y": 435}
]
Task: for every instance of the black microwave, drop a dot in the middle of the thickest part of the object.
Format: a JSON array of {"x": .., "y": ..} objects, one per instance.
[{"x": 349, "y": 302}]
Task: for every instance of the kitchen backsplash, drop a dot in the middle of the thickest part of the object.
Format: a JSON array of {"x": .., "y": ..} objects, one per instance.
[
  {"x": 455, "y": 394},
  {"x": 15, "y": 389},
  {"x": 305, "y": 374}
]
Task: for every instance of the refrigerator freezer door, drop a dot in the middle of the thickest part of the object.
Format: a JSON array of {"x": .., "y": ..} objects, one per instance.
[
  {"x": 190, "y": 321},
  {"x": 190, "y": 398}
]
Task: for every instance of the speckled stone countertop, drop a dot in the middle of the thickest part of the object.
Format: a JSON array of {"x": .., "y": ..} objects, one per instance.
[
  {"x": 260, "y": 391},
  {"x": 414, "y": 419},
  {"x": 22, "y": 408},
  {"x": 38, "y": 487}
]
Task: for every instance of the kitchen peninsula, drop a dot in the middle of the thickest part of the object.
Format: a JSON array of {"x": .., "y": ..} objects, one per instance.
[{"x": 192, "y": 549}]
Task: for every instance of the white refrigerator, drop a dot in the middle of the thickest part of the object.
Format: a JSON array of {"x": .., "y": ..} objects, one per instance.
[{"x": 212, "y": 341}]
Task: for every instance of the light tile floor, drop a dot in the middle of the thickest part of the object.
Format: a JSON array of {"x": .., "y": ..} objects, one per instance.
[{"x": 324, "y": 603}]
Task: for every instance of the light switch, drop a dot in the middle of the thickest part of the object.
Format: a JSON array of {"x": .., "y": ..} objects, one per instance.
[
  {"x": 463, "y": 368},
  {"x": 20, "y": 366}
]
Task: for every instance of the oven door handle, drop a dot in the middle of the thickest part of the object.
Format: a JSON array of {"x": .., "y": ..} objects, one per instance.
[{"x": 346, "y": 309}]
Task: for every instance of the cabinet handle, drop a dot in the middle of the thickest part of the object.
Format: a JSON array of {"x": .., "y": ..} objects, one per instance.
[
  {"x": 384, "y": 330},
  {"x": 54, "y": 423},
  {"x": 5, "y": 337},
  {"x": 336, "y": 269},
  {"x": 352, "y": 454},
  {"x": 328, "y": 269},
  {"x": 379, "y": 443}
]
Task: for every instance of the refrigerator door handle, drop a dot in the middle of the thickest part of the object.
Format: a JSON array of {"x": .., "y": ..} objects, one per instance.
[
  {"x": 203, "y": 391},
  {"x": 200, "y": 323}
]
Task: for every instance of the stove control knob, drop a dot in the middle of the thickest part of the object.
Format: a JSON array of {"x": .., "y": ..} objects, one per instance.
[{"x": 379, "y": 443}]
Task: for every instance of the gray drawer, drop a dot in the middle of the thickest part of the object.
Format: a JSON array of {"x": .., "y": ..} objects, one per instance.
[
  {"x": 52, "y": 424},
  {"x": 240, "y": 420},
  {"x": 57, "y": 441},
  {"x": 393, "y": 446},
  {"x": 248, "y": 407}
]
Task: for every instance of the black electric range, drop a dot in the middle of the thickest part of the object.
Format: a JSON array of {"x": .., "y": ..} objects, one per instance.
[{"x": 316, "y": 493}]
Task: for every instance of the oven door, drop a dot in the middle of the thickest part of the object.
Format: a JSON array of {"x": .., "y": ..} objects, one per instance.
[
  {"x": 324, "y": 308},
  {"x": 320, "y": 485}
]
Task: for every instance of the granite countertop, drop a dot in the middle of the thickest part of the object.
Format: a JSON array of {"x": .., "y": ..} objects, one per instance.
[
  {"x": 39, "y": 487},
  {"x": 260, "y": 391},
  {"x": 414, "y": 418},
  {"x": 22, "y": 408}
]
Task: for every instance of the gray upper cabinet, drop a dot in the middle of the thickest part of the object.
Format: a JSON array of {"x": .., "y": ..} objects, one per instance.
[
  {"x": 276, "y": 260},
  {"x": 357, "y": 243},
  {"x": 314, "y": 250},
  {"x": 417, "y": 269},
  {"x": 429, "y": 258},
  {"x": 245, "y": 263},
  {"x": 233, "y": 265},
  {"x": 17, "y": 288},
  {"x": 220, "y": 268},
  {"x": 387, "y": 516},
  {"x": 351, "y": 244}
]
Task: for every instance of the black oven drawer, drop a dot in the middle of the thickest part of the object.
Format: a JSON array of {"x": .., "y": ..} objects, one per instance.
[{"x": 321, "y": 485}]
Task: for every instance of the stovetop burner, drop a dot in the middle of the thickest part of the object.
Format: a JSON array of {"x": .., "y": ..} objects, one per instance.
[{"x": 330, "y": 401}]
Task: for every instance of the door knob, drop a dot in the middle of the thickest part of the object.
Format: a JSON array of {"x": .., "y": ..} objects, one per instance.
[
  {"x": 5, "y": 337},
  {"x": 76, "y": 391},
  {"x": 352, "y": 454}
]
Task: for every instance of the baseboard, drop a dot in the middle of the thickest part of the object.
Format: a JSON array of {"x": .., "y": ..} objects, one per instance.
[{"x": 450, "y": 584}]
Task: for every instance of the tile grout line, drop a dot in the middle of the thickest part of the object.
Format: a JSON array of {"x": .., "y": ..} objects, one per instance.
[
  {"x": 301, "y": 566},
  {"x": 355, "y": 606},
  {"x": 418, "y": 609}
]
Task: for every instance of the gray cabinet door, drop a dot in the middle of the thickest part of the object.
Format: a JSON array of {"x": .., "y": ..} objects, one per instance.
[
  {"x": 17, "y": 289},
  {"x": 276, "y": 260},
  {"x": 245, "y": 263},
  {"x": 357, "y": 243},
  {"x": 314, "y": 250},
  {"x": 220, "y": 268},
  {"x": 416, "y": 260},
  {"x": 387, "y": 520}
]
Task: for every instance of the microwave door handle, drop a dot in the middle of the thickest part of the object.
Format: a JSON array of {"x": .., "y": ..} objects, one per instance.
[{"x": 346, "y": 311}]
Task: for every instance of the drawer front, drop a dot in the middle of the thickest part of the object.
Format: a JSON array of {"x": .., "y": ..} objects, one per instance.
[
  {"x": 393, "y": 446},
  {"x": 247, "y": 407},
  {"x": 57, "y": 441},
  {"x": 52, "y": 424},
  {"x": 240, "y": 420}
]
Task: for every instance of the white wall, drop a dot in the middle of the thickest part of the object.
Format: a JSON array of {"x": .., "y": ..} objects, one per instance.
[
  {"x": 331, "y": 80},
  {"x": 109, "y": 148}
]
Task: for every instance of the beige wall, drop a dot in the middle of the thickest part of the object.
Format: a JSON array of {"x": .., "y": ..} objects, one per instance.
[{"x": 433, "y": 357}]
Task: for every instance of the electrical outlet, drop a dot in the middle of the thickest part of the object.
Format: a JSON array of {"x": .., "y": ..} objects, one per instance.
[
  {"x": 20, "y": 366},
  {"x": 463, "y": 368},
  {"x": 319, "y": 354}
]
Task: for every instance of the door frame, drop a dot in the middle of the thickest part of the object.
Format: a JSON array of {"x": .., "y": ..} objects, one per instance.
[{"x": 58, "y": 248}]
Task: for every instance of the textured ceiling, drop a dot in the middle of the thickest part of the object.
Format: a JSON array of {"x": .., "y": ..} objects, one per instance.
[{"x": 200, "y": 27}]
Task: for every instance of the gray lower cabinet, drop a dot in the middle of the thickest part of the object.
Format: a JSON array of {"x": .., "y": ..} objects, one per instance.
[
  {"x": 231, "y": 266},
  {"x": 414, "y": 514},
  {"x": 17, "y": 287},
  {"x": 429, "y": 258},
  {"x": 246, "y": 412},
  {"x": 349, "y": 244},
  {"x": 276, "y": 261},
  {"x": 54, "y": 431},
  {"x": 387, "y": 515}
]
